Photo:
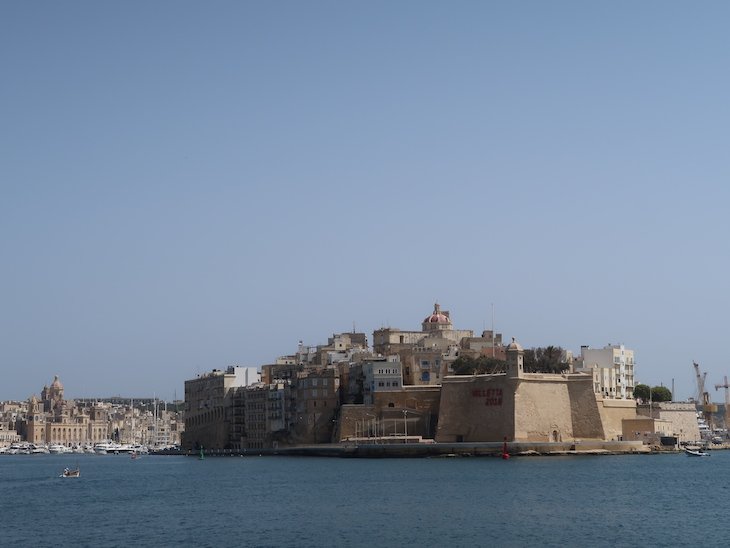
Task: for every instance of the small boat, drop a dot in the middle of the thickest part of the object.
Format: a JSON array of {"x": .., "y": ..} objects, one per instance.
[
  {"x": 68, "y": 473},
  {"x": 696, "y": 452}
]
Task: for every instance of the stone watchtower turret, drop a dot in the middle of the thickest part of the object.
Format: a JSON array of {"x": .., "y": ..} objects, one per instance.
[{"x": 515, "y": 359}]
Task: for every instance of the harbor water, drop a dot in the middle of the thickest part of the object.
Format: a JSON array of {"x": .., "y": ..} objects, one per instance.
[{"x": 618, "y": 500}]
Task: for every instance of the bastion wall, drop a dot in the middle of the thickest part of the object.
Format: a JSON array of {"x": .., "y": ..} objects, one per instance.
[{"x": 533, "y": 407}]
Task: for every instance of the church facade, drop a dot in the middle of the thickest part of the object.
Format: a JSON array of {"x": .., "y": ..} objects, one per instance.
[{"x": 54, "y": 420}]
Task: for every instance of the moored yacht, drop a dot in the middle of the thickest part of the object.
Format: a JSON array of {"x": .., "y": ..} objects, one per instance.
[
  {"x": 36, "y": 449},
  {"x": 111, "y": 447}
]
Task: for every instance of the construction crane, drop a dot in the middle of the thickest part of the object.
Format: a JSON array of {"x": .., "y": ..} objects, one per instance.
[
  {"x": 726, "y": 386},
  {"x": 703, "y": 399},
  {"x": 700, "y": 383}
]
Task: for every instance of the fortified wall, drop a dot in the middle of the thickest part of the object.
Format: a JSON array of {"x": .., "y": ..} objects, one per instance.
[
  {"x": 531, "y": 407},
  {"x": 519, "y": 406},
  {"x": 414, "y": 410},
  {"x": 613, "y": 413}
]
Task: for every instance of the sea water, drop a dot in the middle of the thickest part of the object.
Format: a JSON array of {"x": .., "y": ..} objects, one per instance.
[{"x": 630, "y": 500}]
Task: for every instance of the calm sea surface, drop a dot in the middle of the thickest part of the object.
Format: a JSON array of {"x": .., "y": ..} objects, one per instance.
[{"x": 663, "y": 500}]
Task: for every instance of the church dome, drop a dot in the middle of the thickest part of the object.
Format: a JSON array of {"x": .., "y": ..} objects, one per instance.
[
  {"x": 437, "y": 317},
  {"x": 56, "y": 383}
]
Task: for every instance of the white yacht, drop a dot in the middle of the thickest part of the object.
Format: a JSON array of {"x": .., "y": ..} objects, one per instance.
[
  {"x": 111, "y": 447},
  {"x": 57, "y": 449}
]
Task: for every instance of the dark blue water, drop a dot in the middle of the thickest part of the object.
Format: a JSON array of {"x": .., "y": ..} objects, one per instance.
[{"x": 663, "y": 500}]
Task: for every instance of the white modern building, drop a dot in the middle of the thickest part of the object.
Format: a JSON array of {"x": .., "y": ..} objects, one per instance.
[{"x": 612, "y": 368}]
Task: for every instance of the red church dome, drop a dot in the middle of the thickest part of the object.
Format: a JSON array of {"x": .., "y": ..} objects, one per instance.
[{"x": 437, "y": 317}]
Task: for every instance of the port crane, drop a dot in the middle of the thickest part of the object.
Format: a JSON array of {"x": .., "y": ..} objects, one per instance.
[
  {"x": 700, "y": 383},
  {"x": 726, "y": 386},
  {"x": 703, "y": 399}
]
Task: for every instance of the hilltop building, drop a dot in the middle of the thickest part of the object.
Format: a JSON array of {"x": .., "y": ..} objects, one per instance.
[{"x": 426, "y": 355}]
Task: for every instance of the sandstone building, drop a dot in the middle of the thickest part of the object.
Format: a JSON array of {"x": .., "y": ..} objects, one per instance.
[{"x": 54, "y": 420}]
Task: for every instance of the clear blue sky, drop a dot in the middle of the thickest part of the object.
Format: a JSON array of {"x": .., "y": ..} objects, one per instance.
[{"x": 190, "y": 185}]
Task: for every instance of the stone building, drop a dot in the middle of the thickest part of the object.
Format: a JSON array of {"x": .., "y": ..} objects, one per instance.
[
  {"x": 55, "y": 420},
  {"x": 340, "y": 348},
  {"x": 12, "y": 415},
  {"x": 427, "y": 355},
  {"x": 209, "y": 406},
  {"x": 381, "y": 376},
  {"x": 681, "y": 416},
  {"x": 265, "y": 417},
  {"x": 316, "y": 395}
]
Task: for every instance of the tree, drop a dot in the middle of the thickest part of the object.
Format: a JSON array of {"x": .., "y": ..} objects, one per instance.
[
  {"x": 661, "y": 393},
  {"x": 466, "y": 365},
  {"x": 548, "y": 359},
  {"x": 642, "y": 392},
  {"x": 656, "y": 393}
]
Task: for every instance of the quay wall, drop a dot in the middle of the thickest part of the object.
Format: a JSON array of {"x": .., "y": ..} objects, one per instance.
[{"x": 424, "y": 450}]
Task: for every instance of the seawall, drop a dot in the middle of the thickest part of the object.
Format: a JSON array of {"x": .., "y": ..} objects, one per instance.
[{"x": 421, "y": 450}]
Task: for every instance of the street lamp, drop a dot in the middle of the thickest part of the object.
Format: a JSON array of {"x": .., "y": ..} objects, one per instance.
[
  {"x": 370, "y": 429},
  {"x": 405, "y": 425}
]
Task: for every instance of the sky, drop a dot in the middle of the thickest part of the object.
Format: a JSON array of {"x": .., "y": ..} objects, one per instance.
[{"x": 191, "y": 185}]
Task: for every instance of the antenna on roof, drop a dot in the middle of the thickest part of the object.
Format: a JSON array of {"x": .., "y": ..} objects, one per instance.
[{"x": 493, "y": 337}]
